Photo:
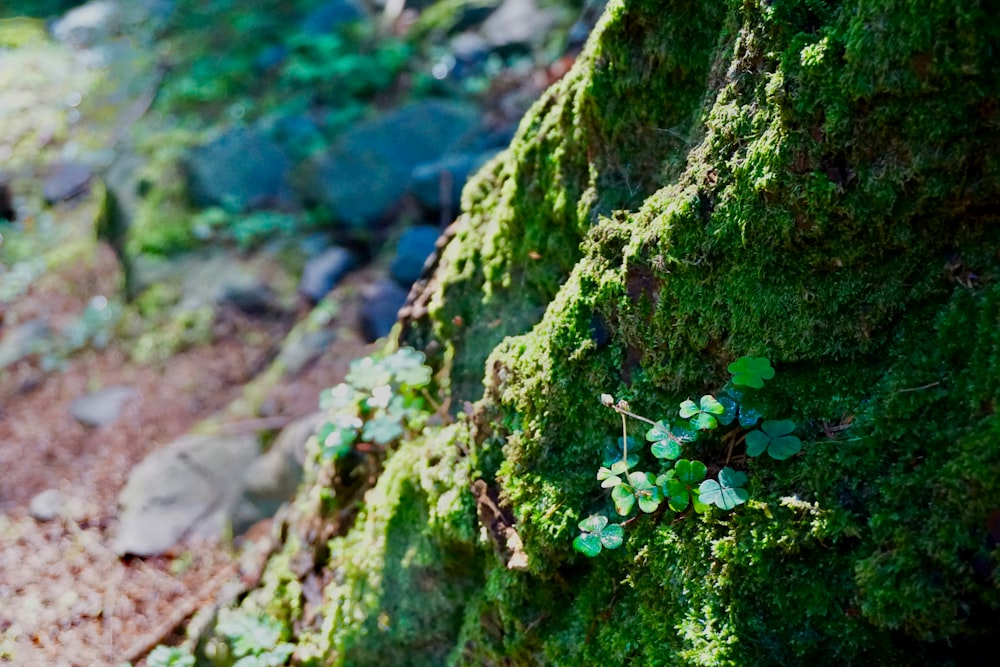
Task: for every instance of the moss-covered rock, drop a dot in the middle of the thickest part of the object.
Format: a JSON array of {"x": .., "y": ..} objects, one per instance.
[{"x": 806, "y": 181}]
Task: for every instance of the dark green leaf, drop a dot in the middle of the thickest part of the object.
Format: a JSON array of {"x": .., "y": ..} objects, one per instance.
[
  {"x": 757, "y": 442},
  {"x": 726, "y": 493},
  {"x": 588, "y": 544},
  {"x": 751, "y": 371},
  {"x": 784, "y": 447},
  {"x": 613, "y": 453},
  {"x": 612, "y": 536},
  {"x": 623, "y": 498},
  {"x": 594, "y": 523},
  {"x": 730, "y": 408}
]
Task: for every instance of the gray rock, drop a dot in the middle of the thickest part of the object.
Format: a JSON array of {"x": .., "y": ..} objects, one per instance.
[
  {"x": 322, "y": 272},
  {"x": 365, "y": 174},
  {"x": 414, "y": 247},
  {"x": 24, "y": 339},
  {"x": 330, "y": 15},
  {"x": 274, "y": 477},
  {"x": 47, "y": 505},
  {"x": 303, "y": 350},
  {"x": 187, "y": 489},
  {"x": 101, "y": 407},
  {"x": 380, "y": 307},
  {"x": 518, "y": 23},
  {"x": 240, "y": 171},
  {"x": 88, "y": 24},
  {"x": 66, "y": 181},
  {"x": 438, "y": 185}
]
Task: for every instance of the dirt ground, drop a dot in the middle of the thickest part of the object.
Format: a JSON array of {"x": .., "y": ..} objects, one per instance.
[{"x": 65, "y": 597}]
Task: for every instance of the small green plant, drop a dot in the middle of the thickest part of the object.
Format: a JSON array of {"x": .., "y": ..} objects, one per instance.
[
  {"x": 382, "y": 400},
  {"x": 169, "y": 656},
  {"x": 684, "y": 483},
  {"x": 256, "y": 641}
]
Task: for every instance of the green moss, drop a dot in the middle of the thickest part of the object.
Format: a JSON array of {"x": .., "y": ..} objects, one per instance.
[{"x": 824, "y": 198}]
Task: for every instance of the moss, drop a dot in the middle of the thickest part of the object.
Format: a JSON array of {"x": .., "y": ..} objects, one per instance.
[
  {"x": 401, "y": 574},
  {"x": 823, "y": 198}
]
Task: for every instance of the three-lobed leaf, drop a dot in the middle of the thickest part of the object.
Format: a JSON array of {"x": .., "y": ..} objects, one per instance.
[
  {"x": 725, "y": 493},
  {"x": 596, "y": 534},
  {"x": 702, "y": 415},
  {"x": 666, "y": 445},
  {"x": 775, "y": 438},
  {"x": 751, "y": 371},
  {"x": 679, "y": 484},
  {"x": 614, "y": 453}
]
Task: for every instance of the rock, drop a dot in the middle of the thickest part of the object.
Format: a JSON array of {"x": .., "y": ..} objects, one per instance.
[
  {"x": 438, "y": 185},
  {"x": 414, "y": 247},
  {"x": 187, "y": 489},
  {"x": 47, "y": 505},
  {"x": 322, "y": 272},
  {"x": 240, "y": 171},
  {"x": 66, "y": 181},
  {"x": 101, "y": 407},
  {"x": 23, "y": 340},
  {"x": 88, "y": 24},
  {"x": 274, "y": 477},
  {"x": 518, "y": 23},
  {"x": 330, "y": 15},
  {"x": 367, "y": 171},
  {"x": 297, "y": 135},
  {"x": 380, "y": 307},
  {"x": 303, "y": 350}
]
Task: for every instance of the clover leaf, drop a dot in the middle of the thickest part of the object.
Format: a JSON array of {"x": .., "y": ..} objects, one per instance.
[
  {"x": 702, "y": 415},
  {"x": 609, "y": 477},
  {"x": 616, "y": 452},
  {"x": 406, "y": 366},
  {"x": 666, "y": 444},
  {"x": 623, "y": 498},
  {"x": 679, "y": 484},
  {"x": 335, "y": 439},
  {"x": 646, "y": 491},
  {"x": 774, "y": 437},
  {"x": 382, "y": 429},
  {"x": 597, "y": 534},
  {"x": 751, "y": 371},
  {"x": 727, "y": 492}
]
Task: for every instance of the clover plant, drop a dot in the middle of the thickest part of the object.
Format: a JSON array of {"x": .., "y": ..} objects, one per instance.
[
  {"x": 683, "y": 483},
  {"x": 382, "y": 400}
]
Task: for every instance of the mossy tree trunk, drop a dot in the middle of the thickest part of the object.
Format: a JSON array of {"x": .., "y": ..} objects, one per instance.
[{"x": 814, "y": 182}]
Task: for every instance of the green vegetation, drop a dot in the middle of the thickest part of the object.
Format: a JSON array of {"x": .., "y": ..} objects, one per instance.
[{"x": 676, "y": 483}]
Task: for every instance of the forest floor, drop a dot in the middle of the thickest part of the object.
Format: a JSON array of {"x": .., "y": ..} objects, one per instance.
[{"x": 68, "y": 599}]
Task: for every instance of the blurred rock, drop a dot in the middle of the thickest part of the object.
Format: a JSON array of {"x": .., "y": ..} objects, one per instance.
[
  {"x": 240, "y": 171},
  {"x": 438, "y": 185},
  {"x": 66, "y": 181},
  {"x": 274, "y": 477},
  {"x": 322, "y": 272},
  {"x": 365, "y": 174},
  {"x": 187, "y": 489},
  {"x": 518, "y": 23},
  {"x": 22, "y": 340},
  {"x": 303, "y": 350},
  {"x": 414, "y": 247},
  {"x": 101, "y": 407},
  {"x": 88, "y": 24},
  {"x": 330, "y": 15},
  {"x": 47, "y": 505},
  {"x": 380, "y": 308}
]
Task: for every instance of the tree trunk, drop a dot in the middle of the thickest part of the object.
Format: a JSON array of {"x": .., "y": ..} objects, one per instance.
[{"x": 811, "y": 182}]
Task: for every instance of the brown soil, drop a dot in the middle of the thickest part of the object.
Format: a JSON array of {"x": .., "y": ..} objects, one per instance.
[{"x": 65, "y": 597}]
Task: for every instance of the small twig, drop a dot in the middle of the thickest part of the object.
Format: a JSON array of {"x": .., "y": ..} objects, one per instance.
[{"x": 925, "y": 386}]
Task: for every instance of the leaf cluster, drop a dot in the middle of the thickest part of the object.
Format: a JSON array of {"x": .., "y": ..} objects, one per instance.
[
  {"x": 381, "y": 401},
  {"x": 682, "y": 483}
]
